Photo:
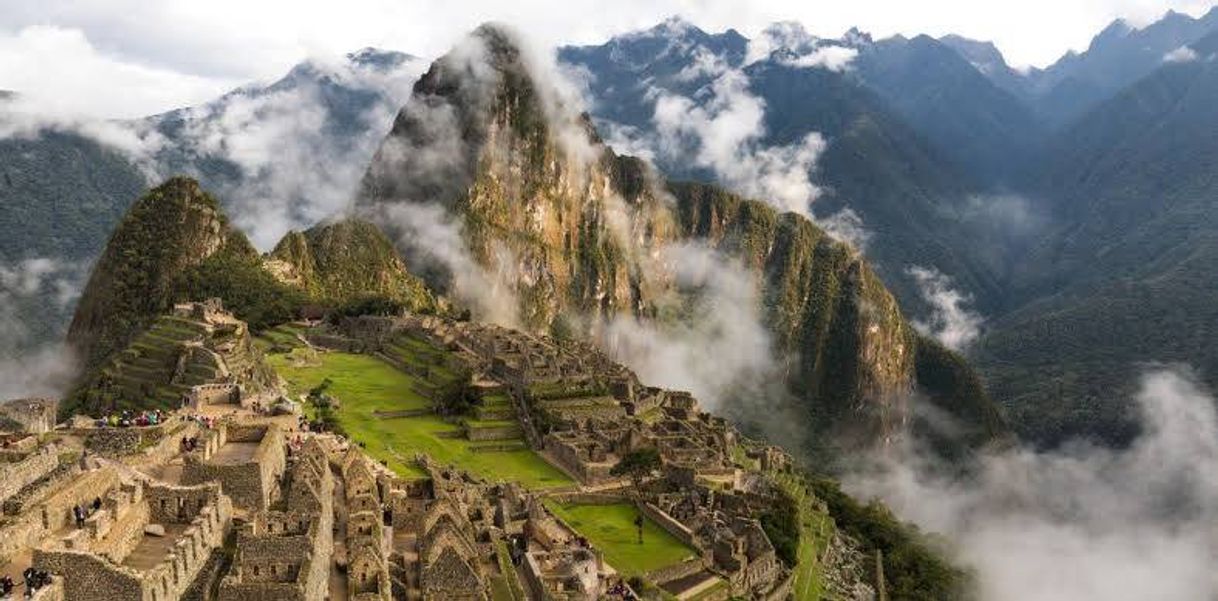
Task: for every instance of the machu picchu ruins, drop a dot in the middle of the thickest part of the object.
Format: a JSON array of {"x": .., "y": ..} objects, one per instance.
[{"x": 236, "y": 484}]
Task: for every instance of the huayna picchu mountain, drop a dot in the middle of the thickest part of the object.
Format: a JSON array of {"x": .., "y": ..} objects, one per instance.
[
  {"x": 176, "y": 245},
  {"x": 579, "y": 234},
  {"x": 170, "y": 230}
]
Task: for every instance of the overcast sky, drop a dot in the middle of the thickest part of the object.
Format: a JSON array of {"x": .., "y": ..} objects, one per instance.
[{"x": 133, "y": 57}]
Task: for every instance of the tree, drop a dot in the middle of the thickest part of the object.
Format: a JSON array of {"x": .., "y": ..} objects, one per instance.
[{"x": 638, "y": 465}]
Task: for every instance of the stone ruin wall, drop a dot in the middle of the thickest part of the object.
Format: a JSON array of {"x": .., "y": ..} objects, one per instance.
[
  {"x": 250, "y": 484},
  {"x": 19, "y": 472},
  {"x": 677, "y": 571},
  {"x": 115, "y": 443},
  {"x": 120, "y": 530},
  {"x": 168, "y": 447},
  {"x": 91, "y": 577},
  {"x": 670, "y": 524},
  {"x": 53, "y": 513},
  {"x": 224, "y": 393},
  {"x": 37, "y": 416},
  {"x": 282, "y": 556}
]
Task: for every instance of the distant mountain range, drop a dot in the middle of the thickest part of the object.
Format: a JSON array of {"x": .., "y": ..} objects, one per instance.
[
  {"x": 1070, "y": 206},
  {"x": 1072, "y": 203}
]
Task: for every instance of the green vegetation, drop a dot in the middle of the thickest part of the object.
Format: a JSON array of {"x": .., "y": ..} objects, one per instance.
[
  {"x": 506, "y": 586},
  {"x": 248, "y": 291},
  {"x": 172, "y": 228},
  {"x": 364, "y": 384},
  {"x": 351, "y": 265},
  {"x": 955, "y": 389},
  {"x": 912, "y": 569},
  {"x": 611, "y": 529},
  {"x": 816, "y": 294},
  {"x": 638, "y": 464},
  {"x": 815, "y": 528}
]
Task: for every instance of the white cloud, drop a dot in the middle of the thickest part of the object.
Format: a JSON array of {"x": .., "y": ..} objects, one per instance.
[
  {"x": 295, "y": 170},
  {"x": 166, "y": 54},
  {"x": 1183, "y": 54},
  {"x": 25, "y": 286},
  {"x": 719, "y": 346},
  {"x": 951, "y": 322},
  {"x": 833, "y": 58},
  {"x": 59, "y": 73},
  {"x": 722, "y": 132},
  {"x": 1082, "y": 523}
]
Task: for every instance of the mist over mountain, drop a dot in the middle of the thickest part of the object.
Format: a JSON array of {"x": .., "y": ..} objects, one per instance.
[
  {"x": 795, "y": 105},
  {"x": 999, "y": 279}
]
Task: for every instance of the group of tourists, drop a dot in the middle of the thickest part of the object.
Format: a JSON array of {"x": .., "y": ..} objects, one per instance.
[
  {"x": 203, "y": 420},
  {"x": 81, "y": 512},
  {"x": 128, "y": 418},
  {"x": 619, "y": 590},
  {"x": 34, "y": 580}
]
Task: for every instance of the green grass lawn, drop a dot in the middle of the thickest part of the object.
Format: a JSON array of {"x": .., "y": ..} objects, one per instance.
[
  {"x": 611, "y": 529},
  {"x": 364, "y": 384}
]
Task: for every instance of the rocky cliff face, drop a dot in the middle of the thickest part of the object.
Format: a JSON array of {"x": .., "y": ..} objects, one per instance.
[
  {"x": 579, "y": 231},
  {"x": 171, "y": 229},
  {"x": 342, "y": 261},
  {"x": 538, "y": 199}
]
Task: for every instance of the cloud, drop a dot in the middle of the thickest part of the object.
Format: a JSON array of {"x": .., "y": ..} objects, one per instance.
[
  {"x": 434, "y": 238},
  {"x": 1183, "y": 54},
  {"x": 719, "y": 341},
  {"x": 60, "y": 74},
  {"x": 950, "y": 322},
  {"x": 788, "y": 43},
  {"x": 722, "y": 131},
  {"x": 28, "y": 369},
  {"x": 1083, "y": 523},
  {"x": 301, "y": 146},
  {"x": 831, "y": 57}
]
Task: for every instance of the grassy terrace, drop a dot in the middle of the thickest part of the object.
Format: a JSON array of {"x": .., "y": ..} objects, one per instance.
[
  {"x": 611, "y": 529},
  {"x": 815, "y": 529},
  {"x": 364, "y": 384}
]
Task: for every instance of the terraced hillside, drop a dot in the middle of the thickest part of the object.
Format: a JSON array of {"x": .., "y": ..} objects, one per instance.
[{"x": 175, "y": 353}]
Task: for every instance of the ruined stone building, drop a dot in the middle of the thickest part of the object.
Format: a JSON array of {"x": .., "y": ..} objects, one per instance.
[
  {"x": 146, "y": 543},
  {"x": 32, "y": 416},
  {"x": 285, "y": 553}
]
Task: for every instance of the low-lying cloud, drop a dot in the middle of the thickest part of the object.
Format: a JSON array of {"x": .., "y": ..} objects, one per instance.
[
  {"x": 1183, "y": 54},
  {"x": 723, "y": 131},
  {"x": 1082, "y": 523},
  {"x": 27, "y": 368},
  {"x": 718, "y": 343},
  {"x": 951, "y": 321}
]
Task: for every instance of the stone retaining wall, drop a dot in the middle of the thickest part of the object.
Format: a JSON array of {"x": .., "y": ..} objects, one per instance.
[
  {"x": 669, "y": 523},
  {"x": 478, "y": 434},
  {"x": 250, "y": 484},
  {"x": 677, "y": 571},
  {"x": 15, "y": 476}
]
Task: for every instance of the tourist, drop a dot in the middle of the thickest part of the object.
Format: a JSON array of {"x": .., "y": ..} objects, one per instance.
[
  {"x": 79, "y": 514},
  {"x": 96, "y": 503},
  {"x": 6, "y": 587}
]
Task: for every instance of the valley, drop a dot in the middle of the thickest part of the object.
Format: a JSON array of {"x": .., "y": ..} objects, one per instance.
[{"x": 680, "y": 312}]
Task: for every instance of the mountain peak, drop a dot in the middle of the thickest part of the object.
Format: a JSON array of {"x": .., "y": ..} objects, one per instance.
[
  {"x": 173, "y": 227},
  {"x": 379, "y": 59}
]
